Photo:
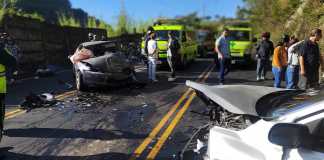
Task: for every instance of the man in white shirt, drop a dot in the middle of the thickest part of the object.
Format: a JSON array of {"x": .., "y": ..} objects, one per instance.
[{"x": 153, "y": 50}]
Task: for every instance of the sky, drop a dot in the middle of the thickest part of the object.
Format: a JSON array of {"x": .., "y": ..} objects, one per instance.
[{"x": 142, "y": 10}]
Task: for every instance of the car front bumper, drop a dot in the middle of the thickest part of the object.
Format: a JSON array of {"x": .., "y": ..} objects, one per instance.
[{"x": 102, "y": 79}]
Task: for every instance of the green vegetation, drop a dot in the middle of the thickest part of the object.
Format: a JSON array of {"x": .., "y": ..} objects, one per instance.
[
  {"x": 60, "y": 12},
  {"x": 295, "y": 17}
]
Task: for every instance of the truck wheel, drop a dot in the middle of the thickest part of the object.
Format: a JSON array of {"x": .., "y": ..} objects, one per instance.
[{"x": 79, "y": 82}]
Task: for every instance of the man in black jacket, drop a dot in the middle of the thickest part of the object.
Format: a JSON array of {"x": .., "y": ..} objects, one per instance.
[
  {"x": 172, "y": 53},
  {"x": 264, "y": 51},
  {"x": 310, "y": 60}
]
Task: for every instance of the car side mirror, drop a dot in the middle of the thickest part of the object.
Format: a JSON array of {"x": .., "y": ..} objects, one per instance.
[
  {"x": 289, "y": 136},
  {"x": 254, "y": 40}
]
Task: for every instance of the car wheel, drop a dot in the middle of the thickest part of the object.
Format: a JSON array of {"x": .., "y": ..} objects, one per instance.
[{"x": 79, "y": 82}]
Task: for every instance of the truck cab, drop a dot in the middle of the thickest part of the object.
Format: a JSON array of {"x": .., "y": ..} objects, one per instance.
[
  {"x": 241, "y": 44},
  {"x": 187, "y": 40}
]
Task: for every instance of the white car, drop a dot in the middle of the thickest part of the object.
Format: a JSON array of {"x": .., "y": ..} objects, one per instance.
[{"x": 262, "y": 123}]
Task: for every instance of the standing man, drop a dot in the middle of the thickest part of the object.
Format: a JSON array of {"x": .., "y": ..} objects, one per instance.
[
  {"x": 150, "y": 29},
  {"x": 309, "y": 60},
  {"x": 292, "y": 73},
  {"x": 172, "y": 53},
  {"x": 264, "y": 51},
  {"x": 222, "y": 48},
  {"x": 153, "y": 50},
  {"x": 280, "y": 61},
  {"x": 6, "y": 61}
]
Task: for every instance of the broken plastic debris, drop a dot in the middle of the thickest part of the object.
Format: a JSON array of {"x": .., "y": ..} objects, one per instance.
[{"x": 200, "y": 145}]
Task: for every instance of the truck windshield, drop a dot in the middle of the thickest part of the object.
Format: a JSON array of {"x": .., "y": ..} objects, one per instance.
[
  {"x": 277, "y": 104},
  {"x": 239, "y": 35},
  {"x": 162, "y": 35}
]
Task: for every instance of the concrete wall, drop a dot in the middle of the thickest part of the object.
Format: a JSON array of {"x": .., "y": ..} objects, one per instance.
[{"x": 43, "y": 43}]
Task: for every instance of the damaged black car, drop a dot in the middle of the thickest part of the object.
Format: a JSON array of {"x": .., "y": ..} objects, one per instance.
[{"x": 100, "y": 63}]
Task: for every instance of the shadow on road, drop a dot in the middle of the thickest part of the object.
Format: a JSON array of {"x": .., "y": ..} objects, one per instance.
[
  {"x": 5, "y": 154},
  {"x": 100, "y": 134}
]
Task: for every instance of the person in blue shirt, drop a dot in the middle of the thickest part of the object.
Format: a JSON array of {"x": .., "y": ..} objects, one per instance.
[{"x": 222, "y": 48}]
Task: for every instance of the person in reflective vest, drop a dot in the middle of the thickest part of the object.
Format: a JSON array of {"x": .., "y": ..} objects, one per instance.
[{"x": 6, "y": 61}]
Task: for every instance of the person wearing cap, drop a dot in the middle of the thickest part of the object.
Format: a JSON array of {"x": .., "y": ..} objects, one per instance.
[
  {"x": 264, "y": 50},
  {"x": 153, "y": 50},
  {"x": 310, "y": 60},
  {"x": 172, "y": 53},
  {"x": 279, "y": 61}
]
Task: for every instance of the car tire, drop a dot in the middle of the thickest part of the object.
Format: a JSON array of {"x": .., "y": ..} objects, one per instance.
[{"x": 80, "y": 85}]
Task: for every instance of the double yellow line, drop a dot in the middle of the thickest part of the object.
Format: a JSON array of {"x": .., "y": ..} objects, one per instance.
[
  {"x": 17, "y": 112},
  {"x": 156, "y": 149}
]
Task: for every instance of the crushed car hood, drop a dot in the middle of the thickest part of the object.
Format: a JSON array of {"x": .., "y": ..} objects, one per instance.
[
  {"x": 238, "y": 99},
  {"x": 110, "y": 62}
]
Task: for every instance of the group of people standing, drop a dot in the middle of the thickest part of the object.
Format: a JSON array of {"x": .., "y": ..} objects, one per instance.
[
  {"x": 152, "y": 51},
  {"x": 296, "y": 62}
]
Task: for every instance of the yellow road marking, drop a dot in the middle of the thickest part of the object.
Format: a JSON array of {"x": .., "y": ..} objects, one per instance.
[
  {"x": 17, "y": 112},
  {"x": 169, "y": 130},
  {"x": 156, "y": 149},
  {"x": 12, "y": 113},
  {"x": 139, "y": 150},
  {"x": 65, "y": 95}
]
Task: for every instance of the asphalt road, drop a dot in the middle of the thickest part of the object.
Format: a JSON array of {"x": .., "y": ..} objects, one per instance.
[{"x": 126, "y": 122}]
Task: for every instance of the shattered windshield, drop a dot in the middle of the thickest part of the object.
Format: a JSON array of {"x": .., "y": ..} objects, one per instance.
[{"x": 278, "y": 104}]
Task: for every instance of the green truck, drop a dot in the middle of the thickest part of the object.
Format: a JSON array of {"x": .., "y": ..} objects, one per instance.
[
  {"x": 241, "y": 43},
  {"x": 187, "y": 40}
]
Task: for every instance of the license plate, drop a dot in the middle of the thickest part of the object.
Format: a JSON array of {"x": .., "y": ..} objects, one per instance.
[
  {"x": 233, "y": 62},
  {"x": 158, "y": 62}
]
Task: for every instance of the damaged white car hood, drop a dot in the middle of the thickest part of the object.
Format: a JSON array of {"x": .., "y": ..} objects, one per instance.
[{"x": 238, "y": 99}]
